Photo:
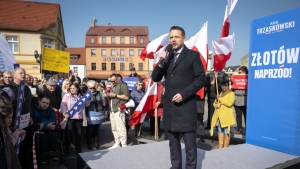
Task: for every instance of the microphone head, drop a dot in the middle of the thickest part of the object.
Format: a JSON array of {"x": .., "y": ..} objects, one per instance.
[{"x": 169, "y": 48}]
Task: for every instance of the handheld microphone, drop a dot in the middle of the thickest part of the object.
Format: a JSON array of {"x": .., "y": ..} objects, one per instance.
[{"x": 168, "y": 49}]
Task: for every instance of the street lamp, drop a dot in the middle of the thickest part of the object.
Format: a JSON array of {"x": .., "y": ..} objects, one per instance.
[{"x": 38, "y": 58}]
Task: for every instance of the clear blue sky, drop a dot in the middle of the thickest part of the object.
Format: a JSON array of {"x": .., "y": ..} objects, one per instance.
[{"x": 160, "y": 15}]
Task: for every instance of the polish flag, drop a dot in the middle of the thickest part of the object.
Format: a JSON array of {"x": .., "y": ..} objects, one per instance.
[
  {"x": 146, "y": 104},
  {"x": 154, "y": 46},
  {"x": 222, "y": 49},
  {"x": 199, "y": 44},
  {"x": 226, "y": 25}
]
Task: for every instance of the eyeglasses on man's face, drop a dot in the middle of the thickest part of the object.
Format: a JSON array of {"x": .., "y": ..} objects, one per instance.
[
  {"x": 140, "y": 84},
  {"x": 7, "y": 77}
]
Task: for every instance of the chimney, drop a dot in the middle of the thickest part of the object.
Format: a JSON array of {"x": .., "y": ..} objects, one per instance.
[
  {"x": 109, "y": 24},
  {"x": 92, "y": 24}
]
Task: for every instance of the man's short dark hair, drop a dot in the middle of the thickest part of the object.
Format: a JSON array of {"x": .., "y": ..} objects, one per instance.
[
  {"x": 244, "y": 69},
  {"x": 132, "y": 69},
  {"x": 41, "y": 96},
  {"x": 178, "y": 28}
]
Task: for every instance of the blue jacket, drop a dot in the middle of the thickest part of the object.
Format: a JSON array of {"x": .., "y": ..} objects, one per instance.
[
  {"x": 136, "y": 96},
  {"x": 44, "y": 116}
]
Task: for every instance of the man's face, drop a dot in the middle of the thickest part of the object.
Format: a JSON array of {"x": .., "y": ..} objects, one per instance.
[
  {"x": 27, "y": 78},
  {"x": 19, "y": 75},
  {"x": 139, "y": 86},
  {"x": 176, "y": 39},
  {"x": 35, "y": 80},
  {"x": 44, "y": 103},
  {"x": 113, "y": 80},
  {"x": 51, "y": 88}
]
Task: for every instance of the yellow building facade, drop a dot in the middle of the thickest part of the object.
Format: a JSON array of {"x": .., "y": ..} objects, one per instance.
[{"x": 115, "y": 49}]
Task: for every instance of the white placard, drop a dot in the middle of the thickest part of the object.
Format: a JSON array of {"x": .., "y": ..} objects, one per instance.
[{"x": 24, "y": 120}]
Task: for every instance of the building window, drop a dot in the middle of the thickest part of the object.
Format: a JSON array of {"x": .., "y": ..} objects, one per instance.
[
  {"x": 75, "y": 69},
  {"x": 103, "y": 39},
  {"x": 140, "y": 51},
  {"x": 103, "y": 66},
  {"x": 131, "y": 65},
  {"x": 122, "y": 52},
  {"x": 103, "y": 52},
  {"x": 93, "y": 52},
  {"x": 93, "y": 66},
  {"x": 122, "y": 66},
  {"x": 13, "y": 43},
  {"x": 140, "y": 66},
  {"x": 113, "y": 40},
  {"x": 141, "y": 41},
  {"x": 92, "y": 40},
  {"x": 74, "y": 57},
  {"x": 131, "y": 52},
  {"x": 113, "y": 66},
  {"x": 131, "y": 40},
  {"x": 113, "y": 52},
  {"x": 122, "y": 40},
  {"x": 47, "y": 43}
]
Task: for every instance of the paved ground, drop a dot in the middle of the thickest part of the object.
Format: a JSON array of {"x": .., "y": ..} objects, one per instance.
[{"x": 107, "y": 141}]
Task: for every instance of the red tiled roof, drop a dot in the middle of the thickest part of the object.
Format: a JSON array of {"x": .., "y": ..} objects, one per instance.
[
  {"x": 26, "y": 15},
  {"x": 118, "y": 31},
  {"x": 77, "y": 51}
]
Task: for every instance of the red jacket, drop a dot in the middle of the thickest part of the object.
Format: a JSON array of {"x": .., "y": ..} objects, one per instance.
[{"x": 160, "y": 89}]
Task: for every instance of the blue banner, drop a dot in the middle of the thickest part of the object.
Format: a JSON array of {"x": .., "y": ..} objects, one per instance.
[
  {"x": 96, "y": 117},
  {"x": 273, "y": 90},
  {"x": 81, "y": 102},
  {"x": 19, "y": 104},
  {"x": 18, "y": 144},
  {"x": 60, "y": 81},
  {"x": 131, "y": 82}
]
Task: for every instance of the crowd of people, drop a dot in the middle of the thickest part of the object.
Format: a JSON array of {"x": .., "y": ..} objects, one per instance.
[{"x": 48, "y": 103}]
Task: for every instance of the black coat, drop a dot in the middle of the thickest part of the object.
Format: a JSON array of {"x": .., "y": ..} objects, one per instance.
[
  {"x": 186, "y": 78},
  {"x": 55, "y": 97}
]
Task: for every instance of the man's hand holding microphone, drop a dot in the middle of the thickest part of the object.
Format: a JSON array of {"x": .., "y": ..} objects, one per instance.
[{"x": 164, "y": 55}]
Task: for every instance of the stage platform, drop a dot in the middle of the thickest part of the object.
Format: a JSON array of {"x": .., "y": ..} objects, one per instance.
[{"x": 156, "y": 156}]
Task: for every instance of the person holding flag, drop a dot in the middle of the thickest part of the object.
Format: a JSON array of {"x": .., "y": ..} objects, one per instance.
[
  {"x": 184, "y": 76},
  {"x": 76, "y": 119}
]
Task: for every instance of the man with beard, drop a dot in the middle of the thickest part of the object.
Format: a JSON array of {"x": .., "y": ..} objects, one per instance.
[{"x": 118, "y": 95}]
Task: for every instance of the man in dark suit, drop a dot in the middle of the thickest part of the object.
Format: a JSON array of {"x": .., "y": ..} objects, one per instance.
[{"x": 184, "y": 76}]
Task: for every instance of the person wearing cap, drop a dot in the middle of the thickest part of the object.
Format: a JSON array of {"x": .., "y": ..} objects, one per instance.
[
  {"x": 223, "y": 116},
  {"x": 133, "y": 73},
  {"x": 52, "y": 92}
]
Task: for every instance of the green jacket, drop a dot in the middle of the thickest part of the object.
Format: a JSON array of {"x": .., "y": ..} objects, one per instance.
[{"x": 119, "y": 89}]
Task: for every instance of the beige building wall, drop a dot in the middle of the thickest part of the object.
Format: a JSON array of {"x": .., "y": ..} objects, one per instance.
[{"x": 245, "y": 61}]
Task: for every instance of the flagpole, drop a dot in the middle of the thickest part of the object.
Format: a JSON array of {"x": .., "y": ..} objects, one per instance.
[{"x": 156, "y": 126}]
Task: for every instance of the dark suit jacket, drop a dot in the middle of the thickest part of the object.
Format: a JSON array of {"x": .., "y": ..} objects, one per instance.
[{"x": 186, "y": 78}]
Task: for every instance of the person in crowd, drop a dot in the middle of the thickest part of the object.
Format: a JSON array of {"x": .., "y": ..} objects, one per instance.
[
  {"x": 1, "y": 79},
  {"x": 133, "y": 73},
  {"x": 75, "y": 78},
  {"x": 65, "y": 87},
  {"x": 8, "y": 77},
  {"x": 19, "y": 75},
  {"x": 159, "y": 105},
  {"x": 13, "y": 134},
  {"x": 223, "y": 117},
  {"x": 27, "y": 79},
  {"x": 92, "y": 130},
  {"x": 184, "y": 76},
  {"x": 118, "y": 95},
  {"x": 49, "y": 77},
  {"x": 51, "y": 91},
  {"x": 212, "y": 92},
  {"x": 136, "y": 95},
  {"x": 45, "y": 117},
  {"x": 75, "y": 123},
  {"x": 35, "y": 81},
  {"x": 8, "y": 156},
  {"x": 240, "y": 103}
]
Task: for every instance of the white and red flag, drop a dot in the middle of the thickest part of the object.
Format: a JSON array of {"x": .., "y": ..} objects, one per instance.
[
  {"x": 146, "y": 104},
  {"x": 226, "y": 25},
  {"x": 222, "y": 49},
  {"x": 154, "y": 46},
  {"x": 199, "y": 44}
]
